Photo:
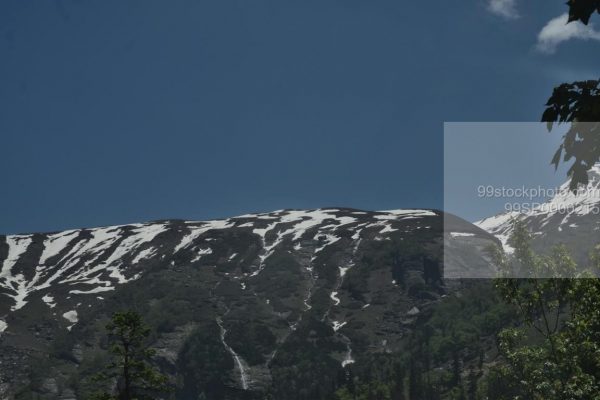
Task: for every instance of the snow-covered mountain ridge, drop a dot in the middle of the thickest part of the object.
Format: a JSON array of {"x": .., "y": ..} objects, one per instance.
[
  {"x": 570, "y": 218},
  {"x": 91, "y": 261},
  {"x": 359, "y": 278}
]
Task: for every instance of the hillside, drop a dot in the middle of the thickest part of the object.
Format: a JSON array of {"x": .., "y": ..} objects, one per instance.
[
  {"x": 276, "y": 303},
  {"x": 568, "y": 218}
]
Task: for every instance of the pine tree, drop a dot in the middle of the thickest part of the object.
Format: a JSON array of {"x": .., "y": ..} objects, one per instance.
[
  {"x": 472, "y": 385},
  {"x": 131, "y": 369}
]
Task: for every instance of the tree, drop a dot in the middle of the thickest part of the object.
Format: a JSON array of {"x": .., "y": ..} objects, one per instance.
[
  {"x": 554, "y": 353},
  {"x": 577, "y": 103},
  {"x": 130, "y": 368},
  {"x": 581, "y": 10}
]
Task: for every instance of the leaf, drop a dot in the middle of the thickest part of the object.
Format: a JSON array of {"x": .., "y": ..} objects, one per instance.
[
  {"x": 582, "y": 10},
  {"x": 556, "y": 159},
  {"x": 579, "y": 176},
  {"x": 549, "y": 115}
]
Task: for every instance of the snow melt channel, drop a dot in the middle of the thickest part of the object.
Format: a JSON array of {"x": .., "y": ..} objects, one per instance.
[{"x": 236, "y": 357}]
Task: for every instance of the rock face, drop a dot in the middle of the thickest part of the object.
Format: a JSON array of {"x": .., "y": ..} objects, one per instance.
[
  {"x": 236, "y": 302},
  {"x": 571, "y": 219}
]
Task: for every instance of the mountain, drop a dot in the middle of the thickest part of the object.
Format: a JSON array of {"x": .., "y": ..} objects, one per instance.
[
  {"x": 567, "y": 218},
  {"x": 280, "y": 303}
]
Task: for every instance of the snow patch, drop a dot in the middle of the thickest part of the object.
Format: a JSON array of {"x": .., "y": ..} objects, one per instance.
[
  {"x": 412, "y": 213},
  {"x": 16, "y": 284},
  {"x": 55, "y": 243},
  {"x": 413, "y": 311},
  {"x": 146, "y": 253},
  {"x": 337, "y": 325},
  {"x": 334, "y": 297},
  {"x": 387, "y": 229},
  {"x": 343, "y": 271},
  {"x": 49, "y": 300},
  {"x": 461, "y": 234},
  {"x": 348, "y": 359},
  {"x": 196, "y": 232},
  {"x": 326, "y": 240},
  {"x": 72, "y": 317},
  {"x": 98, "y": 289}
]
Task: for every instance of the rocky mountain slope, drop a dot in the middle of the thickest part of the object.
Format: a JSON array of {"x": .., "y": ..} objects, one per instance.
[
  {"x": 237, "y": 305},
  {"x": 568, "y": 218}
]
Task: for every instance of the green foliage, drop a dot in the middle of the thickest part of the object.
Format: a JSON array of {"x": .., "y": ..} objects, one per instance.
[
  {"x": 283, "y": 278},
  {"x": 356, "y": 283},
  {"x": 302, "y": 368},
  {"x": 130, "y": 367},
  {"x": 461, "y": 321},
  {"x": 172, "y": 308},
  {"x": 380, "y": 376},
  {"x": 555, "y": 352},
  {"x": 205, "y": 363},
  {"x": 434, "y": 362},
  {"x": 252, "y": 340},
  {"x": 373, "y": 390},
  {"x": 579, "y": 104}
]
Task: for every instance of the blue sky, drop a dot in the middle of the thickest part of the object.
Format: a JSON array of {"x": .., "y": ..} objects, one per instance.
[
  {"x": 485, "y": 163},
  {"x": 125, "y": 111}
]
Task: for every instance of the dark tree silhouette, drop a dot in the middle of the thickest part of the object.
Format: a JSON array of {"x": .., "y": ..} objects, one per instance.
[
  {"x": 577, "y": 103},
  {"x": 582, "y": 10},
  {"x": 130, "y": 368}
]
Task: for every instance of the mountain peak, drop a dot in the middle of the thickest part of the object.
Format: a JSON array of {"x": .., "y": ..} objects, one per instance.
[{"x": 557, "y": 220}]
